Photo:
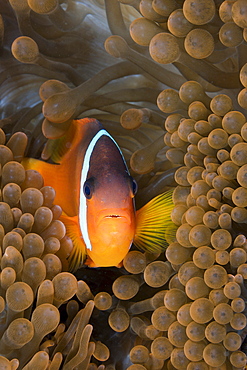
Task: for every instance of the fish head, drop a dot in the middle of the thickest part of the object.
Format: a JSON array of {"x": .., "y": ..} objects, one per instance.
[
  {"x": 107, "y": 200},
  {"x": 110, "y": 219}
]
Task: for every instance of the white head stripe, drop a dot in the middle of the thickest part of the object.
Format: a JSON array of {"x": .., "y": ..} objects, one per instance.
[{"x": 84, "y": 172}]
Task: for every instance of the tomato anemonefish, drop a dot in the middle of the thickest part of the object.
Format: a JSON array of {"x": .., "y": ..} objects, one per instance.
[{"x": 96, "y": 192}]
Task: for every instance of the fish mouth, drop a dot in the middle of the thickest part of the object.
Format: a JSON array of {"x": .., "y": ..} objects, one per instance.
[{"x": 113, "y": 216}]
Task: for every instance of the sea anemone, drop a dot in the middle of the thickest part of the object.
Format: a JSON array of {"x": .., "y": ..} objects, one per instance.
[{"x": 168, "y": 80}]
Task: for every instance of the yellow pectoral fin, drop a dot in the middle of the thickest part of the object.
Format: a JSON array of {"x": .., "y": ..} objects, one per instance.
[
  {"x": 78, "y": 253},
  {"x": 154, "y": 227}
]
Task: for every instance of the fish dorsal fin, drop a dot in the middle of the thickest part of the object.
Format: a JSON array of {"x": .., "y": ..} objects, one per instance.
[
  {"x": 154, "y": 227},
  {"x": 59, "y": 147},
  {"x": 73, "y": 137}
]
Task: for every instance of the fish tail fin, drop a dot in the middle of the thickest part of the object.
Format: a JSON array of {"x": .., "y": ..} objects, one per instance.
[
  {"x": 154, "y": 227},
  {"x": 78, "y": 253}
]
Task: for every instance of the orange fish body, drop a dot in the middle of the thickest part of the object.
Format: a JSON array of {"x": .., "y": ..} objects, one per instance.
[{"x": 96, "y": 192}]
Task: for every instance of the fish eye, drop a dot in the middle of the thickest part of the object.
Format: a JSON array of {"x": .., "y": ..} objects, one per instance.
[
  {"x": 134, "y": 186},
  {"x": 88, "y": 189}
]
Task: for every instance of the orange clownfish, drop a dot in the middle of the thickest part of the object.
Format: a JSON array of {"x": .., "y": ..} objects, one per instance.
[{"x": 96, "y": 192}]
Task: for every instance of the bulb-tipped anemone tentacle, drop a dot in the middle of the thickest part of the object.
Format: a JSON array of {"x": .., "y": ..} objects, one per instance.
[
  {"x": 64, "y": 20},
  {"x": 62, "y": 46},
  {"x": 26, "y": 50},
  {"x": 117, "y": 47}
]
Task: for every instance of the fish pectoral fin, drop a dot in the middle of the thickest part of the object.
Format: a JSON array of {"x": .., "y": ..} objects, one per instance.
[
  {"x": 78, "y": 254},
  {"x": 89, "y": 262},
  {"x": 154, "y": 227}
]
